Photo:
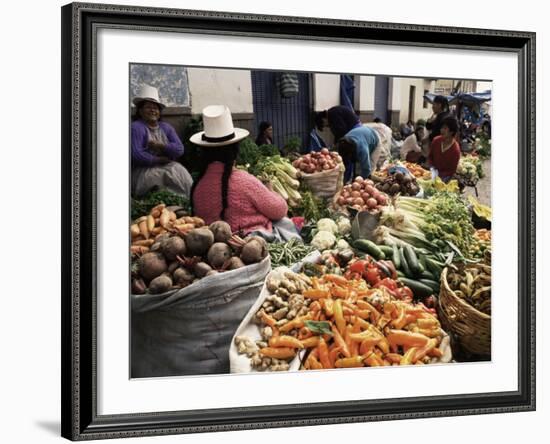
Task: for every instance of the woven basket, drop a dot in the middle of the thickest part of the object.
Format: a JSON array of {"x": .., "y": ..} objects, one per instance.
[{"x": 469, "y": 326}]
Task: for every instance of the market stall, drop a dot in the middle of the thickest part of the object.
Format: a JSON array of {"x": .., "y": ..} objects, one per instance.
[{"x": 391, "y": 270}]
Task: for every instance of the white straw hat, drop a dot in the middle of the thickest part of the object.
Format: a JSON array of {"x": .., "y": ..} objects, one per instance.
[
  {"x": 150, "y": 94},
  {"x": 218, "y": 128}
]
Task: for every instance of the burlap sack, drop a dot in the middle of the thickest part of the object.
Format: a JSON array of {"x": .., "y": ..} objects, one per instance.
[{"x": 325, "y": 183}]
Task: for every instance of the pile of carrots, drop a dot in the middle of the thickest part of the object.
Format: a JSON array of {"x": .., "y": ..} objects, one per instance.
[
  {"x": 160, "y": 220},
  {"x": 357, "y": 334}
]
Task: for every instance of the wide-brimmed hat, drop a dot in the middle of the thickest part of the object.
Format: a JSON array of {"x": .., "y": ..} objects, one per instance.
[
  {"x": 148, "y": 93},
  {"x": 218, "y": 128}
]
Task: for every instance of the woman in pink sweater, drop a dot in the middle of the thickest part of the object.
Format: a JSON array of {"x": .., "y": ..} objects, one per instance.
[{"x": 222, "y": 192}]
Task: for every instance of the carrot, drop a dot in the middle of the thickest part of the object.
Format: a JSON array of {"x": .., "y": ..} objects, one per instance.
[
  {"x": 157, "y": 230},
  {"x": 285, "y": 341},
  {"x": 335, "y": 279},
  {"x": 198, "y": 222},
  {"x": 339, "y": 292},
  {"x": 134, "y": 230},
  {"x": 427, "y": 323},
  {"x": 423, "y": 351},
  {"x": 267, "y": 320},
  {"x": 394, "y": 358},
  {"x": 402, "y": 337},
  {"x": 384, "y": 345},
  {"x": 144, "y": 243},
  {"x": 363, "y": 314},
  {"x": 150, "y": 223},
  {"x": 156, "y": 211},
  {"x": 339, "y": 316},
  {"x": 304, "y": 333},
  {"x": 400, "y": 321},
  {"x": 144, "y": 230},
  {"x": 362, "y": 323},
  {"x": 435, "y": 353},
  {"x": 339, "y": 341},
  {"x": 430, "y": 333},
  {"x": 367, "y": 345},
  {"x": 295, "y": 323},
  {"x": 328, "y": 306},
  {"x": 138, "y": 249},
  {"x": 383, "y": 321},
  {"x": 278, "y": 353},
  {"x": 315, "y": 293},
  {"x": 408, "y": 358},
  {"x": 333, "y": 355},
  {"x": 355, "y": 361},
  {"x": 365, "y": 335},
  {"x": 352, "y": 345},
  {"x": 373, "y": 360},
  {"x": 310, "y": 342},
  {"x": 312, "y": 363},
  {"x": 323, "y": 354},
  {"x": 165, "y": 218},
  {"x": 315, "y": 306}
]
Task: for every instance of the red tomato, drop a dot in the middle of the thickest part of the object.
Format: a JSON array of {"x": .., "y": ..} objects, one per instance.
[
  {"x": 372, "y": 276},
  {"x": 388, "y": 283},
  {"x": 358, "y": 266}
]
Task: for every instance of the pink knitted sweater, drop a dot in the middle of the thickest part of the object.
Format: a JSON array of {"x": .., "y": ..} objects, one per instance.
[{"x": 250, "y": 205}]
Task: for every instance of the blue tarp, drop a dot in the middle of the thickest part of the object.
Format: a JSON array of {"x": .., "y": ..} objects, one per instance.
[{"x": 468, "y": 99}]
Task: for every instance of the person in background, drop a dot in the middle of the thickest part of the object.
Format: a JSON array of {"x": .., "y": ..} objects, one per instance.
[
  {"x": 440, "y": 108},
  {"x": 383, "y": 152},
  {"x": 155, "y": 148},
  {"x": 316, "y": 142},
  {"x": 411, "y": 150},
  {"x": 377, "y": 120},
  {"x": 445, "y": 151},
  {"x": 406, "y": 129},
  {"x": 359, "y": 145},
  {"x": 223, "y": 192},
  {"x": 265, "y": 134}
]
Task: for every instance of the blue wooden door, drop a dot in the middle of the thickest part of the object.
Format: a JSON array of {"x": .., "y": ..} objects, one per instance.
[{"x": 290, "y": 117}]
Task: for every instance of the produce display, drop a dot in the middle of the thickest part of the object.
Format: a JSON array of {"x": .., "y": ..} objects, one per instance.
[
  {"x": 361, "y": 195},
  {"x": 332, "y": 322},
  {"x": 176, "y": 255},
  {"x": 316, "y": 162},
  {"x": 399, "y": 183},
  {"x": 472, "y": 283},
  {"x": 337, "y": 298},
  {"x": 441, "y": 223}
]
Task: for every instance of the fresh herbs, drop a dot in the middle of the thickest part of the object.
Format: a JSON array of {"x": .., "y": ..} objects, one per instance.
[{"x": 142, "y": 206}]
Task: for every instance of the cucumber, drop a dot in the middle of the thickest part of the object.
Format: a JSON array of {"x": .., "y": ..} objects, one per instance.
[
  {"x": 396, "y": 259},
  {"x": 432, "y": 284},
  {"x": 400, "y": 274},
  {"x": 366, "y": 246},
  {"x": 412, "y": 260},
  {"x": 404, "y": 264},
  {"x": 422, "y": 260},
  {"x": 386, "y": 249},
  {"x": 427, "y": 275},
  {"x": 418, "y": 288}
]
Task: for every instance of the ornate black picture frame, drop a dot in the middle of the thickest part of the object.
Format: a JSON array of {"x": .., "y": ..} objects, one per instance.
[{"x": 80, "y": 22}]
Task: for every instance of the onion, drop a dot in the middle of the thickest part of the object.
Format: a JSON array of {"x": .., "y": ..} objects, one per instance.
[
  {"x": 355, "y": 186},
  {"x": 382, "y": 199},
  {"x": 349, "y": 201},
  {"x": 341, "y": 200},
  {"x": 326, "y": 166},
  {"x": 372, "y": 203},
  {"x": 370, "y": 189},
  {"x": 345, "y": 194},
  {"x": 369, "y": 182},
  {"x": 358, "y": 201},
  {"x": 359, "y": 179},
  {"x": 355, "y": 194},
  {"x": 325, "y": 151},
  {"x": 365, "y": 196}
]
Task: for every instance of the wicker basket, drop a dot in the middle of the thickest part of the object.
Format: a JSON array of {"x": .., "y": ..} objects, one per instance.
[{"x": 470, "y": 327}]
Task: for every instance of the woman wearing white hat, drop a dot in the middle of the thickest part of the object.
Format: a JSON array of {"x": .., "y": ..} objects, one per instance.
[
  {"x": 155, "y": 149},
  {"x": 222, "y": 192}
]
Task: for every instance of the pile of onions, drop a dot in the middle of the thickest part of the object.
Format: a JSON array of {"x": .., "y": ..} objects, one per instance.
[
  {"x": 316, "y": 162},
  {"x": 362, "y": 195}
]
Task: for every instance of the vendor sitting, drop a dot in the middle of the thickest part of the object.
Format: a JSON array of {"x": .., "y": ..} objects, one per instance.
[
  {"x": 444, "y": 150},
  {"x": 360, "y": 145},
  {"x": 223, "y": 192},
  {"x": 155, "y": 147}
]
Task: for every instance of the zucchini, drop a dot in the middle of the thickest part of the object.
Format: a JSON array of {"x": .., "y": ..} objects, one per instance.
[
  {"x": 400, "y": 274},
  {"x": 432, "y": 284},
  {"x": 386, "y": 249},
  {"x": 419, "y": 289},
  {"x": 366, "y": 246},
  {"x": 396, "y": 259},
  {"x": 404, "y": 264}
]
